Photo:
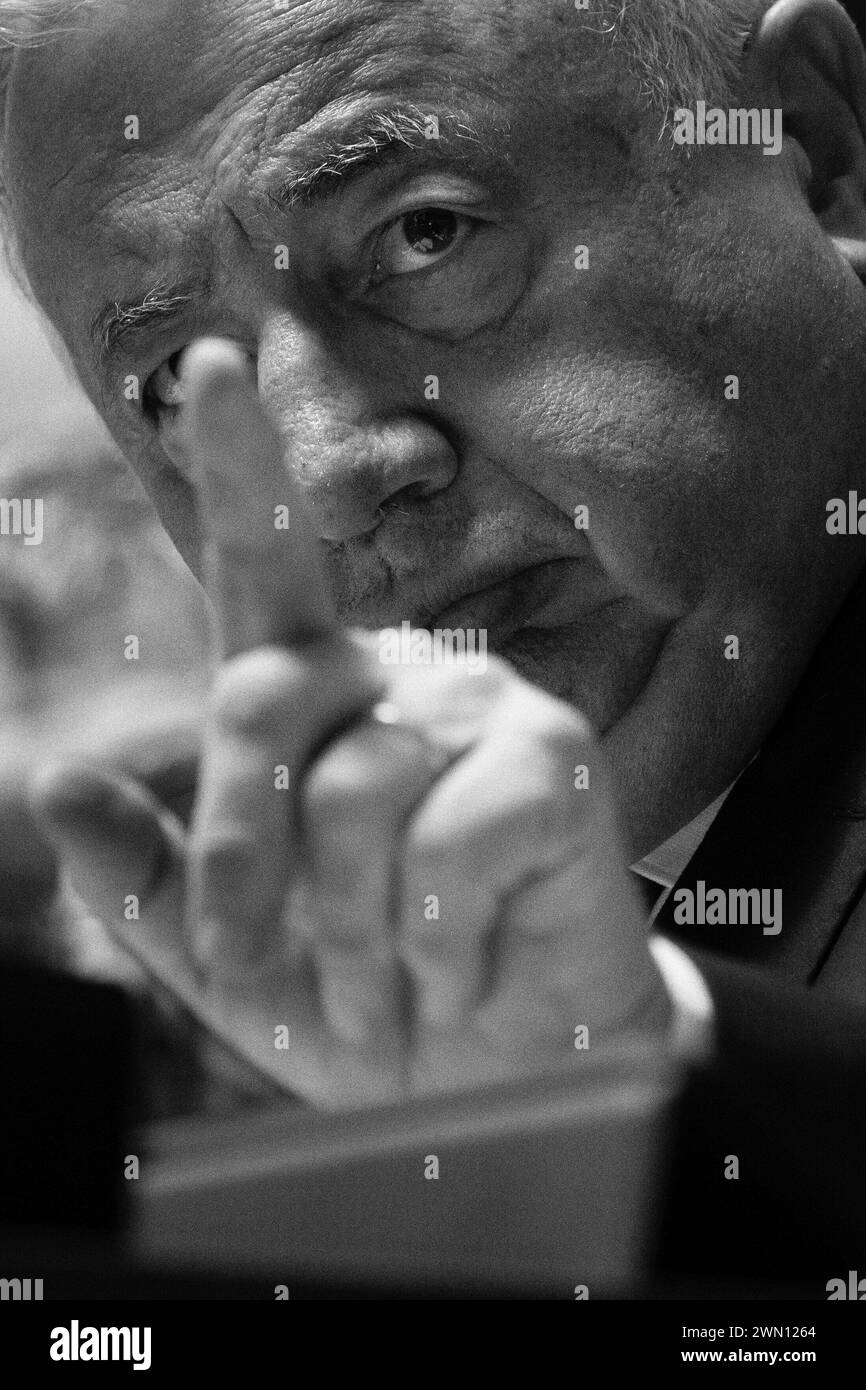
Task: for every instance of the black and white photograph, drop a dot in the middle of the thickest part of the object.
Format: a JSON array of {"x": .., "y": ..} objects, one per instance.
[{"x": 432, "y": 672}]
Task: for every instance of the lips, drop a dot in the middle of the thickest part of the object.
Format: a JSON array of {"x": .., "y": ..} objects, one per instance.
[{"x": 542, "y": 595}]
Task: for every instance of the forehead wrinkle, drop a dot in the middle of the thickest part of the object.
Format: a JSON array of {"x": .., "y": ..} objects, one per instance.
[
  {"x": 213, "y": 55},
  {"x": 227, "y": 52},
  {"x": 211, "y": 104},
  {"x": 377, "y": 65},
  {"x": 266, "y": 81}
]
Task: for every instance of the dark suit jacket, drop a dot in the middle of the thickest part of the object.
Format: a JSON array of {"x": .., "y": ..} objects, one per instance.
[{"x": 786, "y": 1092}]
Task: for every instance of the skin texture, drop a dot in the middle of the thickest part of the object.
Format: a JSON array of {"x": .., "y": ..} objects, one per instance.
[
  {"x": 558, "y": 387},
  {"x": 303, "y": 906}
]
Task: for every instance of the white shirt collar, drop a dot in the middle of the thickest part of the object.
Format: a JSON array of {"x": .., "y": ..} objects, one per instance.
[{"x": 665, "y": 864}]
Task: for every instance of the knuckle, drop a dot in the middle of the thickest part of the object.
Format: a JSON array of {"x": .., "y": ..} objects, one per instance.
[
  {"x": 344, "y": 783},
  {"x": 571, "y": 726},
  {"x": 368, "y": 775},
  {"x": 255, "y": 694},
  {"x": 252, "y": 690},
  {"x": 553, "y": 746},
  {"x": 333, "y": 787},
  {"x": 556, "y": 723}
]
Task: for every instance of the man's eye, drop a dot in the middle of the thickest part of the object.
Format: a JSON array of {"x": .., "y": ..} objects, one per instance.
[
  {"x": 164, "y": 386},
  {"x": 418, "y": 239}
]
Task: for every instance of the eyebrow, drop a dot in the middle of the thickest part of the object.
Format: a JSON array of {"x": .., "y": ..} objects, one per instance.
[
  {"x": 120, "y": 321},
  {"x": 330, "y": 162}
]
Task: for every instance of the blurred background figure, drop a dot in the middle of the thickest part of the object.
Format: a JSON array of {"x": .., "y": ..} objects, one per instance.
[{"x": 98, "y": 622}]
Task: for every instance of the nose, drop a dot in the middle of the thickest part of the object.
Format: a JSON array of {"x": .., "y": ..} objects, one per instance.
[{"x": 355, "y": 441}]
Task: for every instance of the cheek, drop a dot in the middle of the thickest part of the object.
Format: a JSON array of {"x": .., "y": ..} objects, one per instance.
[
  {"x": 642, "y": 450},
  {"x": 616, "y": 391}
]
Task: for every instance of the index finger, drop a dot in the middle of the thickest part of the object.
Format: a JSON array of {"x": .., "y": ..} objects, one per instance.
[{"x": 261, "y": 563}]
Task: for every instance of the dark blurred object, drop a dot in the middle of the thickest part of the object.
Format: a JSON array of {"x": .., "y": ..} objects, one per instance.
[
  {"x": 539, "y": 1185},
  {"x": 66, "y": 1061},
  {"x": 32, "y": 929}
]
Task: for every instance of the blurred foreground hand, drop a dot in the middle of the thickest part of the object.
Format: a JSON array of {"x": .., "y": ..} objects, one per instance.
[{"x": 366, "y": 906}]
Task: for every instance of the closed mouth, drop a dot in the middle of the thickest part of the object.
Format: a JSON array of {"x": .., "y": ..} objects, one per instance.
[{"x": 512, "y": 602}]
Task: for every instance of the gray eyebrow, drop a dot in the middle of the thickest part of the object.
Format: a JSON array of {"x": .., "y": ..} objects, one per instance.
[
  {"x": 121, "y": 319},
  {"x": 332, "y": 161}
]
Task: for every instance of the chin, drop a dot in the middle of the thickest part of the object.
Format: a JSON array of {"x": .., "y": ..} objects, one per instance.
[{"x": 600, "y": 679}]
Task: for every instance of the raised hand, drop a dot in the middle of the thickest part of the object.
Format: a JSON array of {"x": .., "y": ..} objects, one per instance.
[{"x": 423, "y": 900}]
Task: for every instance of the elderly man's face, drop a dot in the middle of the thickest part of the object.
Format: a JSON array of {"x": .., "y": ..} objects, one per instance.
[{"x": 559, "y": 384}]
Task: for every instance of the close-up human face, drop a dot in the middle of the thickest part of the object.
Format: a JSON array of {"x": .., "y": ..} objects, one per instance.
[{"x": 385, "y": 205}]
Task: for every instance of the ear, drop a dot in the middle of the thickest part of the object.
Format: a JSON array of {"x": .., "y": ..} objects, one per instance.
[{"x": 807, "y": 57}]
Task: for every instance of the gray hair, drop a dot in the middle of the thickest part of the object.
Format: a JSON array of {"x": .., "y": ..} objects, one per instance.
[
  {"x": 681, "y": 47},
  {"x": 683, "y": 50}
]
